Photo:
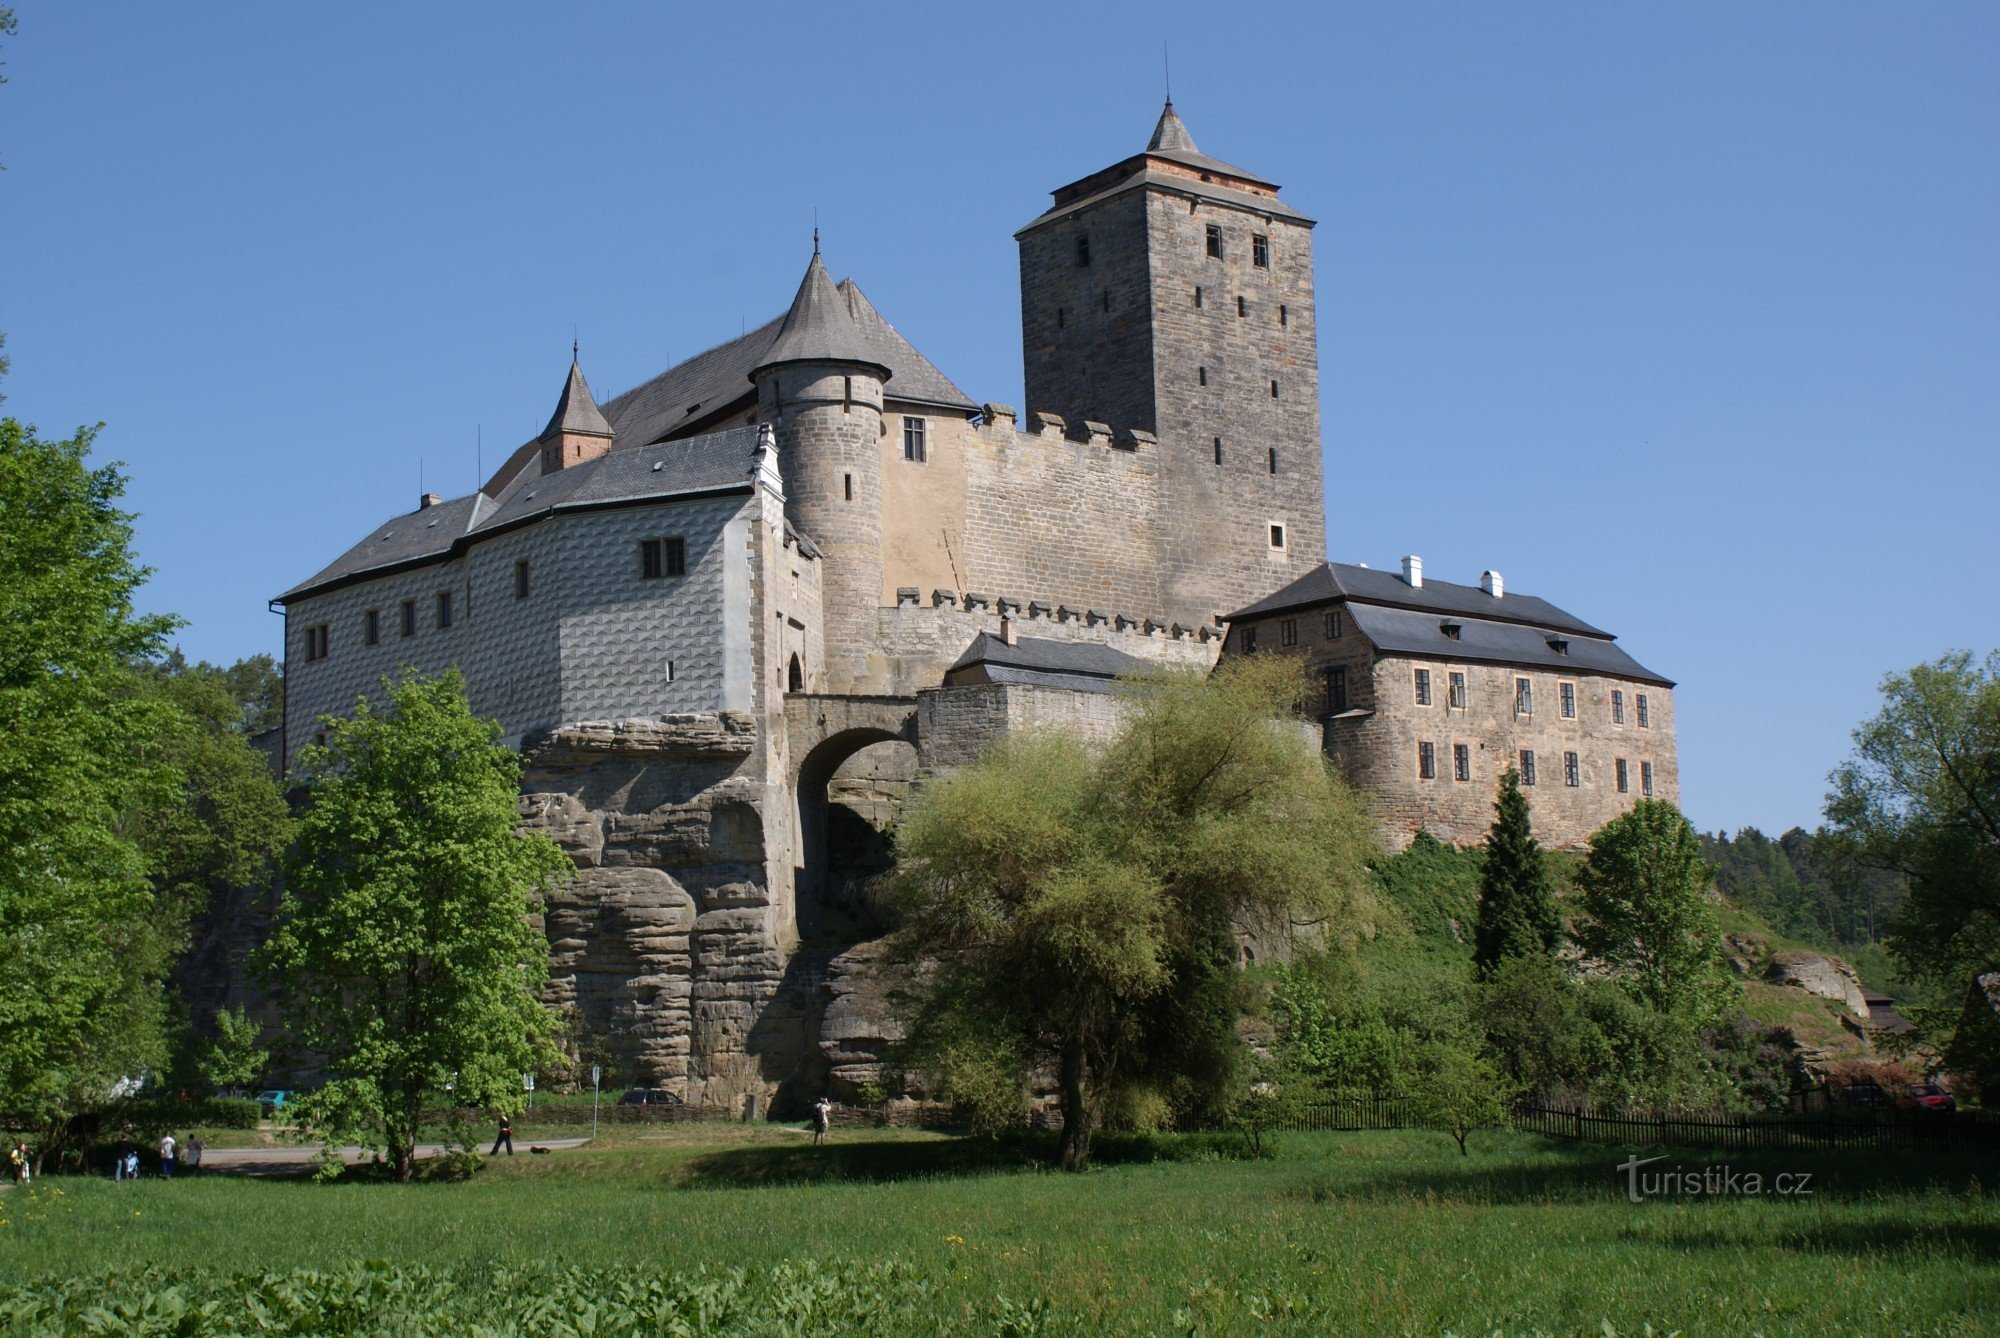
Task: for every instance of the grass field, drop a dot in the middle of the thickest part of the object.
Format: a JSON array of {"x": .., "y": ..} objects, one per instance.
[{"x": 910, "y": 1233}]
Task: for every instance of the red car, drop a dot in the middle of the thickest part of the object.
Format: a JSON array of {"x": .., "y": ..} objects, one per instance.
[{"x": 1928, "y": 1096}]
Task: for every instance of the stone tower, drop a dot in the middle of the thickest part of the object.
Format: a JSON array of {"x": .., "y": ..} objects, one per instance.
[
  {"x": 577, "y": 430},
  {"x": 1173, "y": 293},
  {"x": 821, "y": 386}
]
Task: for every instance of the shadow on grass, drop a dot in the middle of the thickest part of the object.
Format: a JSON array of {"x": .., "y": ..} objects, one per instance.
[{"x": 884, "y": 1161}]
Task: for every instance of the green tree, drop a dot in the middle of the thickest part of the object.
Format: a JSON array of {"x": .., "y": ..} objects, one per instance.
[
  {"x": 1075, "y": 914},
  {"x": 1921, "y": 796},
  {"x": 1457, "y": 1089},
  {"x": 80, "y": 964},
  {"x": 235, "y": 1057},
  {"x": 1517, "y": 905},
  {"x": 1646, "y": 909},
  {"x": 403, "y": 943}
]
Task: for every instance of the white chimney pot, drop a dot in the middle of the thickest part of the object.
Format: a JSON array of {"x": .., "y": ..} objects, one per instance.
[
  {"x": 1489, "y": 581},
  {"x": 1413, "y": 571}
]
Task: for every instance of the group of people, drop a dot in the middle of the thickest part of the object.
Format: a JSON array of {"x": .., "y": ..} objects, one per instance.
[{"x": 125, "y": 1157}]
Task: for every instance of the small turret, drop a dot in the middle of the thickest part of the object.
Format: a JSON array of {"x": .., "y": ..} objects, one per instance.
[
  {"x": 819, "y": 386},
  {"x": 578, "y": 430}
]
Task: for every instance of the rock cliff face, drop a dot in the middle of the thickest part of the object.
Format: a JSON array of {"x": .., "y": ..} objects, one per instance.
[
  {"x": 1821, "y": 974},
  {"x": 669, "y": 945}
]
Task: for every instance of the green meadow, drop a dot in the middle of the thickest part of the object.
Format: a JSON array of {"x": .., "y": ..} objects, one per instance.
[{"x": 746, "y": 1230}]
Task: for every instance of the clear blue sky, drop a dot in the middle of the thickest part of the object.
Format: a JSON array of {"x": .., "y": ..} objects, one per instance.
[{"x": 1684, "y": 316}]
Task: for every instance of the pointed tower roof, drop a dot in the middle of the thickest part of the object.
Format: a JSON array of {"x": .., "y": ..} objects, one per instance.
[
  {"x": 1171, "y": 134},
  {"x": 820, "y": 327},
  {"x": 577, "y": 411}
]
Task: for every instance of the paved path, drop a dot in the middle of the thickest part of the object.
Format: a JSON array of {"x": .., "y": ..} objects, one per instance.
[{"x": 293, "y": 1160}]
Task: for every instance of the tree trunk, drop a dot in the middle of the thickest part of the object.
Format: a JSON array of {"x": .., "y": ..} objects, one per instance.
[{"x": 1075, "y": 1113}]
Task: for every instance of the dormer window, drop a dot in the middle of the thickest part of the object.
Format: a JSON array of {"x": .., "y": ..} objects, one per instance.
[
  {"x": 1450, "y": 629},
  {"x": 1560, "y": 645}
]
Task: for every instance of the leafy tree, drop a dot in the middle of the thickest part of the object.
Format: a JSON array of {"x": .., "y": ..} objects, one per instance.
[
  {"x": 1646, "y": 909},
  {"x": 1537, "y": 1030},
  {"x": 1073, "y": 914},
  {"x": 235, "y": 1057},
  {"x": 403, "y": 942},
  {"x": 1517, "y": 906},
  {"x": 1457, "y": 1089},
  {"x": 80, "y": 952},
  {"x": 1921, "y": 796}
]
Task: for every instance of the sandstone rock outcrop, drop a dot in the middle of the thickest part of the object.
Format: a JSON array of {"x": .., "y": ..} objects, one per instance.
[{"x": 1819, "y": 973}]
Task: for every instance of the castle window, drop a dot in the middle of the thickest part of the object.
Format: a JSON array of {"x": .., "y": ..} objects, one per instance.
[
  {"x": 1617, "y": 706},
  {"x": 1461, "y": 762},
  {"x": 371, "y": 627},
  {"x": 847, "y": 484},
  {"x": 1242, "y": 307},
  {"x": 1107, "y": 299},
  {"x": 1288, "y": 632},
  {"x": 1274, "y": 459},
  {"x": 1274, "y": 390},
  {"x": 847, "y": 394},
  {"x": 1566, "y": 692},
  {"x": 1450, "y": 629},
  {"x": 1455, "y": 697},
  {"x": 1427, "y": 767},
  {"x": 316, "y": 642},
  {"x": 1524, "y": 697},
  {"x": 1284, "y": 315},
  {"x": 1527, "y": 766},
  {"x": 1645, "y": 719},
  {"x": 796, "y": 676},
  {"x": 1336, "y": 690},
  {"x": 521, "y": 579},
  {"x": 662, "y": 557},
  {"x": 1248, "y": 640},
  {"x": 1083, "y": 250},
  {"x": 1201, "y": 376},
  {"x": 1333, "y": 624},
  {"x": 1423, "y": 687},
  {"x": 1197, "y": 297},
  {"x": 1260, "y": 251},
  {"x": 409, "y": 617},
  {"x": 1277, "y": 536},
  {"x": 913, "y": 440},
  {"x": 1571, "y": 778},
  {"x": 670, "y": 671},
  {"x": 1059, "y": 318},
  {"x": 1619, "y": 767},
  {"x": 443, "y": 609},
  {"x": 1646, "y": 779},
  {"x": 1215, "y": 241},
  {"x": 1218, "y": 450}
]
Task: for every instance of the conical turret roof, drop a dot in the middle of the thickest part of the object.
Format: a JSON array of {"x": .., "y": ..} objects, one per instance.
[
  {"x": 820, "y": 327},
  {"x": 1171, "y": 134},
  {"x": 577, "y": 411}
]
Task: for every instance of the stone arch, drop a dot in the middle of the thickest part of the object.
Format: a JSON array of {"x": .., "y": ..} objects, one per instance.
[
  {"x": 846, "y": 791},
  {"x": 795, "y": 680}
]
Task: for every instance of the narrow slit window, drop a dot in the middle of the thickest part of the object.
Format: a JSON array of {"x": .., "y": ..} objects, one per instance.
[
  {"x": 1218, "y": 450},
  {"x": 1284, "y": 315},
  {"x": 1273, "y": 459},
  {"x": 1277, "y": 536},
  {"x": 1274, "y": 390},
  {"x": 521, "y": 583},
  {"x": 371, "y": 627},
  {"x": 677, "y": 556},
  {"x": 847, "y": 484},
  {"x": 1083, "y": 250},
  {"x": 444, "y": 609},
  {"x": 1201, "y": 376},
  {"x": 1242, "y": 306},
  {"x": 409, "y": 617},
  {"x": 1107, "y": 299},
  {"x": 1197, "y": 297}
]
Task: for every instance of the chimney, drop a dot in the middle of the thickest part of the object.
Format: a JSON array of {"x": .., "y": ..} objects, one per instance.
[
  {"x": 1489, "y": 581},
  {"x": 1413, "y": 571},
  {"x": 428, "y": 500},
  {"x": 1007, "y": 631}
]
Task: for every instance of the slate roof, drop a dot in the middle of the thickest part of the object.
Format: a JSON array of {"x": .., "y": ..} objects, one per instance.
[
  {"x": 576, "y": 410},
  {"x": 1082, "y": 665},
  {"x": 1343, "y": 580},
  {"x": 1172, "y": 143},
  {"x": 718, "y": 461},
  {"x": 820, "y": 327},
  {"x": 1480, "y": 641}
]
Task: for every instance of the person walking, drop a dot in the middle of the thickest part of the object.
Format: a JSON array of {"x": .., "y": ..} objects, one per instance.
[
  {"x": 118, "y": 1159},
  {"x": 166, "y": 1156},
  {"x": 192, "y": 1156},
  {"x": 506, "y": 1135},
  {"x": 822, "y": 1119},
  {"x": 17, "y": 1158}
]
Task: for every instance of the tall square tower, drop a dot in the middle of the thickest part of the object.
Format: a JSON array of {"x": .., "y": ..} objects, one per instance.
[{"x": 1173, "y": 293}]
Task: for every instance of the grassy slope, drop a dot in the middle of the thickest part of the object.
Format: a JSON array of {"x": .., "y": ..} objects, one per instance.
[{"x": 1389, "y": 1232}]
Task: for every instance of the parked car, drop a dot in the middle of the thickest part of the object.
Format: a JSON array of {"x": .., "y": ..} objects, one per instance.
[
  {"x": 273, "y": 1100},
  {"x": 649, "y": 1096},
  {"x": 1927, "y": 1096}
]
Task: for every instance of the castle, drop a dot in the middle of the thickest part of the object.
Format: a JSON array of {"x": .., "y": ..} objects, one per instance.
[{"x": 731, "y": 615}]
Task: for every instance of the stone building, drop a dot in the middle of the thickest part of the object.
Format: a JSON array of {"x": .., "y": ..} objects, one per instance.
[
  {"x": 730, "y": 615},
  {"x": 1430, "y": 690}
]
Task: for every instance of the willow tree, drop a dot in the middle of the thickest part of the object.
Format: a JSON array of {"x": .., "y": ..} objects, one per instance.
[{"x": 1074, "y": 914}]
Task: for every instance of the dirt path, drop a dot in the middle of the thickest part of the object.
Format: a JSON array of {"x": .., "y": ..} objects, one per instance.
[{"x": 293, "y": 1160}]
